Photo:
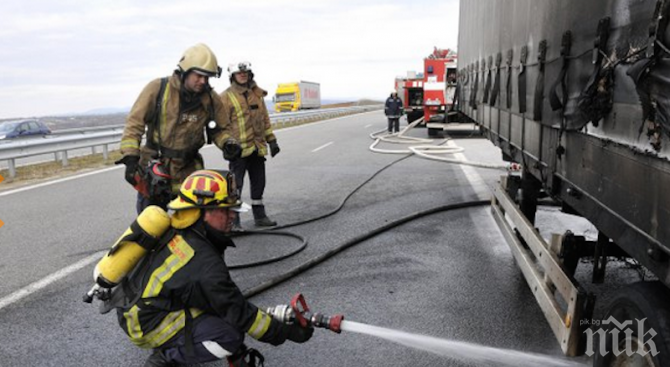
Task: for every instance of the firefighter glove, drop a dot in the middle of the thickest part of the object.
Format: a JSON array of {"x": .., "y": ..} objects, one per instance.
[
  {"x": 231, "y": 150},
  {"x": 131, "y": 162},
  {"x": 299, "y": 334},
  {"x": 274, "y": 148}
]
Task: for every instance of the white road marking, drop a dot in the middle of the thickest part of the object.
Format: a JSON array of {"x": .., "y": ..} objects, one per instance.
[
  {"x": 9, "y": 192},
  {"x": 52, "y": 278},
  {"x": 324, "y": 121},
  {"x": 471, "y": 175},
  {"x": 368, "y": 125},
  {"x": 321, "y": 147},
  {"x": 56, "y": 276}
]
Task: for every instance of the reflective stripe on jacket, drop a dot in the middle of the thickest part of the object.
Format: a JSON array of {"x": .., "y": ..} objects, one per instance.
[
  {"x": 249, "y": 119},
  {"x": 189, "y": 275}
]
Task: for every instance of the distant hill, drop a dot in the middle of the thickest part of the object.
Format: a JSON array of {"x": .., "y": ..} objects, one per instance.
[{"x": 117, "y": 116}]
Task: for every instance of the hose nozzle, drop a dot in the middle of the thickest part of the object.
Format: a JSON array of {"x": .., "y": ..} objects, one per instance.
[
  {"x": 331, "y": 323},
  {"x": 298, "y": 311}
]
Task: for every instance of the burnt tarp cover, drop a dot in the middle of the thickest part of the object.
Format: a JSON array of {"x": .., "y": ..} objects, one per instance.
[{"x": 600, "y": 55}]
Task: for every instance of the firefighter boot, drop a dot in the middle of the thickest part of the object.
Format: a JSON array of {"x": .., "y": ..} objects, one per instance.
[
  {"x": 157, "y": 359},
  {"x": 260, "y": 218}
]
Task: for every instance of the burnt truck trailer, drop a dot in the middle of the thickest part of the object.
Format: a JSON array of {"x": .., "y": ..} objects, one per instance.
[{"x": 578, "y": 93}]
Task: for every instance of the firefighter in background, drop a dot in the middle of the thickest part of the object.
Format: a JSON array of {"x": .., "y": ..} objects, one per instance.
[
  {"x": 176, "y": 112},
  {"x": 190, "y": 310},
  {"x": 393, "y": 110},
  {"x": 250, "y": 122}
]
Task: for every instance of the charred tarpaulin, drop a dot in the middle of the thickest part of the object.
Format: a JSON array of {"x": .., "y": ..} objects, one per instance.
[
  {"x": 652, "y": 78},
  {"x": 650, "y": 71},
  {"x": 595, "y": 101}
]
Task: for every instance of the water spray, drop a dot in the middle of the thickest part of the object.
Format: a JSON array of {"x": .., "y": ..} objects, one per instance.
[{"x": 298, "y": 311}]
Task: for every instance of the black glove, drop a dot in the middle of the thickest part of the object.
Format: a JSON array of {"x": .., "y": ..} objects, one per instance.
[
  {"x": 131, "y": 162},
  {"x": 299, "y": 334},
  {"x": 274, "y": 148},
  {"x": 231, "y": 150}
]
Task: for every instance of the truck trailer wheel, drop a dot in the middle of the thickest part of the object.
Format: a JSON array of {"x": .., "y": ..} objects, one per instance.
[{"x": 648, "y": 301}]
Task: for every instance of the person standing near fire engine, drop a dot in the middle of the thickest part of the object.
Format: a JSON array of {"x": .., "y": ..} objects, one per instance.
[
  {"x": 393, "y": 110},
  {"x": 176, "y": 112},
  {"x": 250, "y": 122}
]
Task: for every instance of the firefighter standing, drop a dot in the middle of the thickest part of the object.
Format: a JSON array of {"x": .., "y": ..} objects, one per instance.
[
  {"x": 393, "y": 110},
  {"x": 250, "y": 124},
  {"x": 190, "y": 310},
  {"x": 176, "y": 111}
]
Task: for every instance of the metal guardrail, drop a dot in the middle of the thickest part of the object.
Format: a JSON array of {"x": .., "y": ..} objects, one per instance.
[{"x": 62, "y": 141}]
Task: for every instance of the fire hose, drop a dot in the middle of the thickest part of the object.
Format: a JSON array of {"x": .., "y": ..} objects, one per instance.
[{"x": 428, "y": 151}]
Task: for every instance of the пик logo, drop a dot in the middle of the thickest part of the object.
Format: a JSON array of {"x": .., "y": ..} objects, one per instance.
[{"x": 618, "y": 333}]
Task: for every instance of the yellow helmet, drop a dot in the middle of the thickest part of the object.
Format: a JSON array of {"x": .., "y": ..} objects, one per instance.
[
  {"x": 207, "y": 189},
  {"x": 201, "y": 59}
]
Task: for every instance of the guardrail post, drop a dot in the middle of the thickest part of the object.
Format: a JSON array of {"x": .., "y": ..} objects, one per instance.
[
  {"x": 105, "y": 152},
  {"x": 65, "y": 162},
  {"x": 12, "y": 168},
  {"x": 56, "y": 156}
]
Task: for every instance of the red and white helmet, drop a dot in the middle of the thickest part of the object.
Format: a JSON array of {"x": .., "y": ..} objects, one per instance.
[{"x": 238, "y": 67}]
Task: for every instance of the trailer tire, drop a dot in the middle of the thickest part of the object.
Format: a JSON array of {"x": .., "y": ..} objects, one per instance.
[{"x": 639, "y": 301}]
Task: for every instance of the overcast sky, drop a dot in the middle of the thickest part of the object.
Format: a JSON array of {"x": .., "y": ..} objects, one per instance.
[{"x": 73, "y": 56}]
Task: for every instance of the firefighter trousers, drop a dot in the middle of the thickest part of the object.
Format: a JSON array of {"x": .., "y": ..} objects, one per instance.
[
  {"x": 394, "y": 124},
  {"x": 255, "y": 165},
  {"x": 213, "y": 339}
]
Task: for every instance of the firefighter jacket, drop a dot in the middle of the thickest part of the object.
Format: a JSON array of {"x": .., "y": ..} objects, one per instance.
[
  {"x": 249, "y": 119},
  {"x": 393, "y": 107},
  {"x": 178, "y": 128},
  {"x": 183, "y": 280}
]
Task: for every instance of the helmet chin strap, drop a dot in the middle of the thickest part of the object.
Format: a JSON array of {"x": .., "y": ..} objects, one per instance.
[
  {"x": 250, "y": 79},
  {"x": 218, "y": 238},
  {"x": 242, "y": 84}
]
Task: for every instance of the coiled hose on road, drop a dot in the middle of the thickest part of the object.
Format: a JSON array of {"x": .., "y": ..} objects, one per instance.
[
  {"x": 392, "y": 138},
  {"x": 426, "y": 151},
  {"x": 250, "y": 292}
]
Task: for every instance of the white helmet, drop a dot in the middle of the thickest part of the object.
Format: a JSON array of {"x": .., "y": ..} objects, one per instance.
[{"x": 238, "y": 66}]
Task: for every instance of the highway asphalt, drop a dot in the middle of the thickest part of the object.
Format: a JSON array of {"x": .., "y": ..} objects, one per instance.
[{"x": 449, "y": 275}]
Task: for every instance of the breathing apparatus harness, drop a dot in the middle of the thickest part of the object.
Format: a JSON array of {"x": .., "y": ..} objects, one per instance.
[
  {"x": 155, "y": 176},
  {"x": 159, "y": 112}
]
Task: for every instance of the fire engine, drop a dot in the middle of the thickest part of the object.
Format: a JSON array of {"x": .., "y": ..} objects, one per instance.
[
  {"x": 439, "y": 88},
  {"x": 430, "y": 94},
  {"x": 410, "y": 91}
]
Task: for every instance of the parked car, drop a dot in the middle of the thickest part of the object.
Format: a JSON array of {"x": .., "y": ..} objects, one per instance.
[{"x": 20, "y": 128}]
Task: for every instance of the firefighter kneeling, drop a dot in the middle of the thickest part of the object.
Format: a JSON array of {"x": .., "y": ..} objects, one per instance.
[{"x": 184, "y": 303}]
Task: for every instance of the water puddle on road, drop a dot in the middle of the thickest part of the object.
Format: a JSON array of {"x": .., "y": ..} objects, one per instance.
[{"x": 466, "y": 352}]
